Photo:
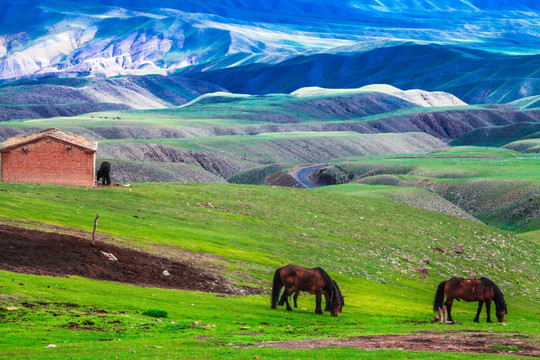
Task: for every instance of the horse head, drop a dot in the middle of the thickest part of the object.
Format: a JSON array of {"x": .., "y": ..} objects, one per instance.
[
  {"x": 337, "y": 301},
  {"x": 501, "y": 311}
]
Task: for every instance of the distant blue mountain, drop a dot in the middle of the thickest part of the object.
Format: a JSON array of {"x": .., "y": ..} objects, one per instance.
[
  {"x": 120, "y": 37},
  {"x": 472, "y": 75}
]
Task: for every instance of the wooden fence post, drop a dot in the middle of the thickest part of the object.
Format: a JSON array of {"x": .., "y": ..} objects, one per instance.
[{"x": 94, "y": 232}]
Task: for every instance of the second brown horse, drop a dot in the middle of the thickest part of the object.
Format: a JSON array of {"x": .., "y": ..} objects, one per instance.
[
  {"x": 316, "y": 281},
  {"x": 482, "y": 290}
]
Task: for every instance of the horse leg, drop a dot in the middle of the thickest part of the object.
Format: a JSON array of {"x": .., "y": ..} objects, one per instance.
[
  {"x": 480, "y": 304},
  {"x": 289, "y": 308},
  {"x": 285, "y": 298},
  {"x": 488, "y": 310},
  {"x": 295, "y": 298},
  {"x": 318, "y": 301},
  {"x": 448, "y": 304},
  {"x": 327, "y": 302}
]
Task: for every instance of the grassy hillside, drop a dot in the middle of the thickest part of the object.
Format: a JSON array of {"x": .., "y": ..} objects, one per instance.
[
  {"x": 420, "y": 198},
  {"x": 497, "y": 186},
  {"x": 225, "y": 156},
  {"x": 126, "y": 171},
  {"x": 369, "y": 246},
  {"x": 365, "y": 110},
  {"x": 525, "y": 146},
  {"x": 257, "y": 175},
  {"x": 533, "y": 236},
  {"x": 498, "y": 136},
  {"x": 300, "y": 147}
]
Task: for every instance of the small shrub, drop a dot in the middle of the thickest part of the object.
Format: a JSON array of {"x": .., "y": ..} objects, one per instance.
[{"x": 155, "y": 313}]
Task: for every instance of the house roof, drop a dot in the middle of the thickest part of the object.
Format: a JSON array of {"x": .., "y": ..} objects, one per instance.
[{"x": 53, "y": 133}]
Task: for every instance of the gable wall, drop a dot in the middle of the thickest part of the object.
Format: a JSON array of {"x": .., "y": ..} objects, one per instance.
[{"x": 49, "y": 161}]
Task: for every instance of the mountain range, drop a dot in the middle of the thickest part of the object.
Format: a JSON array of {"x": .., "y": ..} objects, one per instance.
[
  {"x": 65, "y": 58},
  {"x": 105, "y": 38}
]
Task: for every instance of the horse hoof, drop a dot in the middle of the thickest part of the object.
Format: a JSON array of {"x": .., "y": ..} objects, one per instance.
[
  {"x": 289, "y": 309},
  {"x": 475, "y": 320}
]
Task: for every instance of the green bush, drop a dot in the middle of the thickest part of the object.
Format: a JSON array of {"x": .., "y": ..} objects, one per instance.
[{"x": 156, "y": 313}]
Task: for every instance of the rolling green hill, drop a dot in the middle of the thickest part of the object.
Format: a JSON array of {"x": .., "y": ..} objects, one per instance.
[
  {"x": 372, "y": 109},
  {"x": 525, "y": 146},
  {"x": 498, "y": 136},
  {"x": 497, "y": 186},
  {"x": 225, "y": 156}
]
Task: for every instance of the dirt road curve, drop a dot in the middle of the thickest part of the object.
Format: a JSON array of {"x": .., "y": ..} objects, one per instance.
[{"x": 303, "y": 175}]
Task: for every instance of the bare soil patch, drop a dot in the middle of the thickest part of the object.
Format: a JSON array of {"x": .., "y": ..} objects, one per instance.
[
  {"x": 473, "y": 342},
  {"x": 46, "y": 253}
]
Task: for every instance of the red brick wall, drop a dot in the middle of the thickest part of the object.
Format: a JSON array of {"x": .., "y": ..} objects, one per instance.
[{"x": 49, "y": 161}]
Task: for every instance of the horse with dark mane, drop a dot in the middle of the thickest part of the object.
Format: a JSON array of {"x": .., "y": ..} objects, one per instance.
[
  {"x": 316, "y": 281},
  {"x": 297, "y": 294},
  {"x": 482, "y": 290},
  {"x": 104, "y": 172}
]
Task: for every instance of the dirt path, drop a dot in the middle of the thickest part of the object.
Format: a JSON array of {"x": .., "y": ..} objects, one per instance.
[
  {"x": 472, "y": 342},
  {"x": 44, "y": 253},
  {"x": 303, "y": 175}
]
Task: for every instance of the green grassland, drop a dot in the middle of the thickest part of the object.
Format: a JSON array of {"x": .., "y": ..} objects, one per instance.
[
  {"x": 369, "y": 246},
  {"x": 533, "y": 236},
  {"x": 497, "y": 186},
  {"x": 411, "y": 196}
]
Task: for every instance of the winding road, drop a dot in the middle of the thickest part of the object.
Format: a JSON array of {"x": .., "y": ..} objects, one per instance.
[{"x": 303, "y": 175}]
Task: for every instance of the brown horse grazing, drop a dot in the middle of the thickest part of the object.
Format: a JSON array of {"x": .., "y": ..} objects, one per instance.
[
  {"x": 482, "y": 290},
  {"x": 316, "y": 281},
  {"x": 297, "y": 293}
]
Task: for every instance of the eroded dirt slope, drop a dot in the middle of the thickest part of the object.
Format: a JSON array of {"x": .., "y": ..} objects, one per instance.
[{"x": 46, "y": 253}]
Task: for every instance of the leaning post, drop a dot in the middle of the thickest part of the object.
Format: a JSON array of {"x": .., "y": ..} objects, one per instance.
[{"x": 94, "y": 232}]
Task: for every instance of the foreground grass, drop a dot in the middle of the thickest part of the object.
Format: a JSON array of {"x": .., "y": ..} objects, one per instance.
[
  {"x": 69, "y": 313},
  {"x": 370, "y": 247}
]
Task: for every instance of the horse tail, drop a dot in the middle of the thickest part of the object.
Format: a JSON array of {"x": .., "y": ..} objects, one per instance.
[
  {"x": 276, "y": 287},
  {"x": 439, "y": 296},
  {"x": 498, "y": 296}
]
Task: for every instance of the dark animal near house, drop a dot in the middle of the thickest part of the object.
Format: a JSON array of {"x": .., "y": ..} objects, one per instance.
[
  {"x": 104, "y": 173},
  {"x": 482, "y": 290},
  {"x": 316, "y": 281}
]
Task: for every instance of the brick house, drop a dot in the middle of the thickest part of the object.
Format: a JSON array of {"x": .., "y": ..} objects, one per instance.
[{"x": 50, "y": 156}]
